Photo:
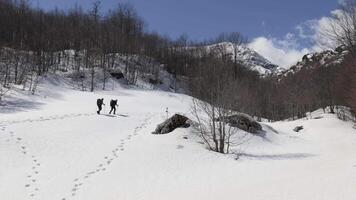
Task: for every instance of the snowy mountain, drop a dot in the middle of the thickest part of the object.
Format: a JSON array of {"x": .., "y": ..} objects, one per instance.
[
  {"x": 319, "y": 59},
  {"x": 246, "y": 56}
]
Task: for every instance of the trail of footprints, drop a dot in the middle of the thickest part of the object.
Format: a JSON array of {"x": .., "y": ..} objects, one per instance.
[
  {"x": 31, "y": 184},
  {"x": 42, "y": 119},
  {"x": 108, "y": 159}
]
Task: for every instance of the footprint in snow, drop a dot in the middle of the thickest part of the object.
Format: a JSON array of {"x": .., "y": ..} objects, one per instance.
[{"x": 107, "y": 162}]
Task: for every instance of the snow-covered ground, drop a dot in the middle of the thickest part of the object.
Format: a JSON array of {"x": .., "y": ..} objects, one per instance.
[{"x": 54, "y": 146}]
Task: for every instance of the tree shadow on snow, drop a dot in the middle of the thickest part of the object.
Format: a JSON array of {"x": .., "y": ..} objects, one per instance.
[
  {"x": 17, "y": 105},
  {"x": 286, "y": 156}
]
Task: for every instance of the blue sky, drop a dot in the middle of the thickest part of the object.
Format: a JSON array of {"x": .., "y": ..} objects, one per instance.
[{"x": 275, "y": 20}]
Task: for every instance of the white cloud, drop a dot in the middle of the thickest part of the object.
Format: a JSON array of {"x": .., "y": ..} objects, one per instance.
[
  {"x": 342, "y": 2},
  {"x": 317, "y": 30},
  {"x": 287, "y": 51},
  {"x": 284, "y": 53}
]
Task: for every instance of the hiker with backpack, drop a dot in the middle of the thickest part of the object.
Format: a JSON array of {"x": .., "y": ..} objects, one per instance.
[
  {"x": 113, "y": 104},
  {"x": 100, "y": 103}
]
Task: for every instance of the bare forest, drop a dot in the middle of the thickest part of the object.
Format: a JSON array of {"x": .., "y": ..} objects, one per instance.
[{"x": 34, "y": 42}]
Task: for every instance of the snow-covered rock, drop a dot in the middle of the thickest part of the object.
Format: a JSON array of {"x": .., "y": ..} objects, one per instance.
[
  {"x": 243, "y": 122},
  {"x": 176, "y": 121}
]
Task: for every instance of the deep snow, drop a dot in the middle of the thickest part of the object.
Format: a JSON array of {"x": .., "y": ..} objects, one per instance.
[{"x": 56, "y": 147}]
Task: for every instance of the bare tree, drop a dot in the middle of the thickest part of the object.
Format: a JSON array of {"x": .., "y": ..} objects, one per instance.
[
  {"x": 341, "y": 29},
  {"x": 215, "y": 86},
  {"x": 3, "y": 91}
]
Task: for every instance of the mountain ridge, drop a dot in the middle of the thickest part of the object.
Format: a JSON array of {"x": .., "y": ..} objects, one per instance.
[{"x": 246, "y": 56}]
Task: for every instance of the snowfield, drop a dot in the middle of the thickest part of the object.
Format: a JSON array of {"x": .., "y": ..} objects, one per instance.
[{"x": 54, "y": 146}]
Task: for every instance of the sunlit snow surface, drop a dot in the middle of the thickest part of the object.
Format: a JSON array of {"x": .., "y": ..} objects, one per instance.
[{"x": 58, "y": 148}]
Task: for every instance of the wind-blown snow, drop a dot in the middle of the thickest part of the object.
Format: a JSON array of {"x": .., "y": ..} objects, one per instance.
[{"x": 58, "y": 148}]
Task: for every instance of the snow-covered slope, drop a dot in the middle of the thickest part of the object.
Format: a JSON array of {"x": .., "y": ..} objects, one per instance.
[
  {"x": 246, "y": 56},
  {"x": 54, "y": 146}
]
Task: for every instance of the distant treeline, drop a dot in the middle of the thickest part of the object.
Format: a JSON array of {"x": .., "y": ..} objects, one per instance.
[{"x": 42, "y": 37}]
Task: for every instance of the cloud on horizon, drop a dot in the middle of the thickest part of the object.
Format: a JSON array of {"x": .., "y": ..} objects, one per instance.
[
  {"x": 289, "y": 50},
  {"x": 283, "y": 52}
]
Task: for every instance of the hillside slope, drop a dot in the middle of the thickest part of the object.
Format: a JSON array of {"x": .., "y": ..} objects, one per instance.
[{"x": 56, "y": 147}]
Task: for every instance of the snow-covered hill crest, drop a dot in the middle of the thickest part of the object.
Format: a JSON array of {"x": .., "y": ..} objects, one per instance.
[
  {"x": 244, "y": 55},
  {"x": 319, "y": 59}
]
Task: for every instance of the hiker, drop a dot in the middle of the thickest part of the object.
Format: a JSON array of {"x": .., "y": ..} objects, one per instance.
[
  {"x": 113, "y": 104},
  {"x": 100, "y": 103}
]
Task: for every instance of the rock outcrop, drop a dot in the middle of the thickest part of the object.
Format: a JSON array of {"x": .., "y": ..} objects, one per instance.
[
  {"x": 176, "y": 121},
  {"x": 298, "y": 128},
  {"x": 243, "y": 122}
]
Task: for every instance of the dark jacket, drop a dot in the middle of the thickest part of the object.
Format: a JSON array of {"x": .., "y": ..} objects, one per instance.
[{"x": 99, "y": 102}]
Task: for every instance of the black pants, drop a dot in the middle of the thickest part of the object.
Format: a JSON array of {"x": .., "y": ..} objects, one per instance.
[
  {"x": 113, "y": 108},
  {"x": 100, "y": 108}
]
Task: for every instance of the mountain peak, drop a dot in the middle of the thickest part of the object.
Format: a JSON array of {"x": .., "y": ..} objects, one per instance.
[{"x": 246, "y": 56}]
